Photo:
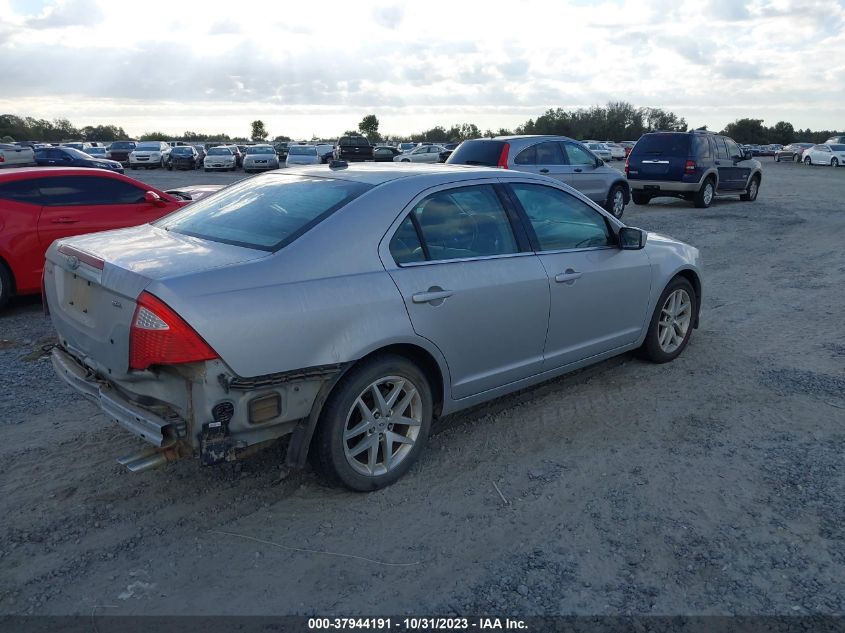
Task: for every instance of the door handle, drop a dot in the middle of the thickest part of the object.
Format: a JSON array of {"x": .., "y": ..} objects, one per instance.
[
  {"x": 64, "y": 221},
  {"x": 568, "y": 277},
  {"x": 717, "y": 162},
  {"x": 431, "y": 295},
  {"x": 544, "y": 171},
  {"x": 578, "y": 169}
]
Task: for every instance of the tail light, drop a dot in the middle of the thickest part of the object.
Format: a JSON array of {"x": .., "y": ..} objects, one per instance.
[
  {"x": 689, "y": 168},
  {"x": 503, "y": 157},
  {"x": 2, "y": 158},
  {"x": 626, "y": 167},
  {"x": 159, "y": 336}
]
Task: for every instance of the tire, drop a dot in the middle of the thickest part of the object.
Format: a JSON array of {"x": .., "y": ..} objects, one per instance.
[
  {"x": 405, "y": 160},
  {"x": 777, "y": 159},
  {"x": 750, "y": 194},
  {"x": 163, "y": 163},
  {"x": 7, "y": 286},
  {"x": 652, "y": 349},
  {"x": 704, "y": 196},
  {"x": 638, "y": 197},
  {"x": 834, "y": 162},
  {"x": 808, "y": 161},
  {"x": 341, "y": 414},
  {"x": 615, "y": 203}
]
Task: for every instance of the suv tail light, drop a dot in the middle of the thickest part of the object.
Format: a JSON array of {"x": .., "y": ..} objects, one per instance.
[
  {"x": 689, "y": 168},
  {"x": 159, "y": 336},
  {"x": 626, "y": 167},
  {"x": 503, "y": 157}
]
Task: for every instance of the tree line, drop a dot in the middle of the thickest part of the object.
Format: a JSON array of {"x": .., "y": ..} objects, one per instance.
[{"x": 618, "y": 120}]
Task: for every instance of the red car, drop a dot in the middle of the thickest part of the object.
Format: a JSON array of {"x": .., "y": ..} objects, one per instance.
[{"x": 38, "y": 205}]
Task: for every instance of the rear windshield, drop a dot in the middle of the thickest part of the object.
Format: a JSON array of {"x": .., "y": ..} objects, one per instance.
[
  {"x": 264, "y": 213},
  {"x": 302, "y": 150},
  {"x": 662, "y": 145},
  {"x": 122, "y": 145},
  {"x": 479, "y": 152},
  {"x": 353, "y": 140},
  {"x": 219, "y": 151},
  {"x": 182, "y": 151},
  {"x": 260, "y": 150}
]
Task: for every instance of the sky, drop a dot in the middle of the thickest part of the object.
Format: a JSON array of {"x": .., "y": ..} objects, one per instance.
[{"x": 317, "y": 68}]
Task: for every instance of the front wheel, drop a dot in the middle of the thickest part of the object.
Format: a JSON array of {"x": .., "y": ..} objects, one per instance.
[
  {"x": 405, "y": 160},
  {"x": 834, "y": 162},
  {"x": 808, "y": 161},
  {"x": 615, "y": 202},
  {"x": 750, "y": 194},
  {"x": 704, "y": 196},
  {"x": 672, "y": 322},
  {"x": 374, "y": 424}
]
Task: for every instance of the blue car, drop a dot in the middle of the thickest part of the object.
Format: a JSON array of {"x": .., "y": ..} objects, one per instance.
[{"x": 70, "y": 157}]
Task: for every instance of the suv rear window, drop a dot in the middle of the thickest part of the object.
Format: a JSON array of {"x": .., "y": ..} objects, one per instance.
[
  {"x": 353, "y": 140},
  {"x": 263, "y": 213},
  {"x": 478, "y": 152},
  {"x": 666, "y": 144}
]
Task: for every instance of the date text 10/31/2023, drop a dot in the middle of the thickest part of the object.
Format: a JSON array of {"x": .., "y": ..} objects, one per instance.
[{"x": 417, "y": 624}]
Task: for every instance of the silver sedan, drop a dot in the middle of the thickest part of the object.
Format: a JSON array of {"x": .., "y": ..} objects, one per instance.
[{"x": 351, "y": 306}]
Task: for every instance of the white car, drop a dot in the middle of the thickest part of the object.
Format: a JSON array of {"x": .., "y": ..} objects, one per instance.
[
  {"x": 260, "y": 158},
  {"x": 220, "y": 157},
  {"x": 829, "y": 154},
  {"x": 302, "y": 155},
  {"x": 617, "y": 152},
  {"x": 421, "y": 154},
  {"x": 599, "y": 149},
  {"x": 16, "y": 155},
  {"x": 149, "y": 154}
]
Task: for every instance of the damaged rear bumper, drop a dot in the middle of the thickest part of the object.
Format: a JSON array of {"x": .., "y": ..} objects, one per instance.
[{"x": 159, "y": 431}]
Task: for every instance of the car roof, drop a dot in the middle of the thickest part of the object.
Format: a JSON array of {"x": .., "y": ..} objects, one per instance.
[
  {"x": 520, "y": 137},
  {"x": 380, "y": 173},
  {"x": 33, "y": 172}
]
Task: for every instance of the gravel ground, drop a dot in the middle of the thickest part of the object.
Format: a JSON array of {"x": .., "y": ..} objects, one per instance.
[{"x": 710, "y": 485}]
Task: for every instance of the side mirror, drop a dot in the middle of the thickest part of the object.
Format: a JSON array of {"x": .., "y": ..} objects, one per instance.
[
  {"x": 747, "y": 155},
  {"x": 631, "y": 239},
  {"x": 153, "y": 198}
]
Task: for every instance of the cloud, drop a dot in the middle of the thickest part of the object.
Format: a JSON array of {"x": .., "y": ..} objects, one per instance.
[
  {"x": 389, "y": 17},
  {"x": 68, "y": 13},
  {"x": 224, "y": 27},
  {"x": 731, "y": 10}
]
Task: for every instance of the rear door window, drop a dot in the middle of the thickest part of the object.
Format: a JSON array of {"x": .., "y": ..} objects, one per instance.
[
  {"x": 464, "y": 222},
  {"x": 405, "y": 246},
  {"x": 560, "y": 220},
  {"x": 21, "y": 191}
]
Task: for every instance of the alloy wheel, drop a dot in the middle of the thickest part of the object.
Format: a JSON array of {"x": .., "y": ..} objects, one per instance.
[
  {"x": 752, "y": 189},
  {"x": 708, "y": 193},
  {"x": 834, "y": 162},
  {"x": 382, "y": 425},
  {"x": 618, "y": 203},
  {"x": 674, "y": 323}
]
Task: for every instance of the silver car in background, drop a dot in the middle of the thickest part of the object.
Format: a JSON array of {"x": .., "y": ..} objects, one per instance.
[
  {"x": 351, "y": 306},
  {"x": 260, "y": 158},
  {"x": 220, "y": 157},
  {"x": 559, "y": 157},
  {"x": 302, "y": 155}
]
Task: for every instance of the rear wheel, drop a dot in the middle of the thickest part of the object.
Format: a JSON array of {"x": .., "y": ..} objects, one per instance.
[
  {"x": 6, "y": 285},
  {"x": 672, "y": 322},
  {"x": 374, "y": 424},
  {"x": 750, "y": 194},
  {"x": 615, "y": 202},
  {"x": 704, "y": 196},
  {"x": 639, "y": 197}
]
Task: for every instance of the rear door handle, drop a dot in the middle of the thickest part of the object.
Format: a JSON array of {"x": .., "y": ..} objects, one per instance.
[
  {"x": 717, "y": 162},
  {"x": 568, "y": 277},
  {"x": 544, "y": 171},
  {"x": 64, "y": 221},
  {"x": 578, "y": 169},
  {"x": 431, "y": 295}
]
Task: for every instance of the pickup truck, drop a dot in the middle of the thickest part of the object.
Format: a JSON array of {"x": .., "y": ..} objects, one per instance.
[
  {"x": 16, "y": 156},
  {"x": 353, "y": 148}
]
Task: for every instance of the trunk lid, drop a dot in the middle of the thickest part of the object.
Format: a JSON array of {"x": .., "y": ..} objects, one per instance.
[{"x": 91, "y": 283}]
